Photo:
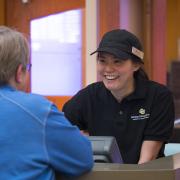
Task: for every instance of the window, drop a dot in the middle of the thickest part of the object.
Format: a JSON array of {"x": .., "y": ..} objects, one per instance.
[{"x": 56, "y": 54}]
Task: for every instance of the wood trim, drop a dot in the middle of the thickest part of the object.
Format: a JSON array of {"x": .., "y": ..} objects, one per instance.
[
  {"x": 155, "y": 39},
  {"x": 159, "y": 69},
  {"x": 147, "y": 13},
  {"x": 108, "y": 16},
  {"x": 59, "y": 101},
  {"x": 83, "y": 48},
  {"x": 173, "y": 32},
  {"x": 2, "y": 12},
  {"x": 24, "y": 13}
]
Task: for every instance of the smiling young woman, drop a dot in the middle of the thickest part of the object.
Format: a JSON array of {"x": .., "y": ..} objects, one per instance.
[
  {"x": 125, "y": 104},
  {"x": 116, "y": 74}
]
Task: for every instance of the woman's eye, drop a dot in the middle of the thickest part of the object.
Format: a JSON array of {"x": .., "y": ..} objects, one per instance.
[
  {"x": 117, "y": 62},
  {"x": 101, "y": 61}
]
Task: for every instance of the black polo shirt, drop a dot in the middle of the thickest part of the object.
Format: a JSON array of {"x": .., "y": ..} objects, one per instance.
[{"x": 146, "y": 114}]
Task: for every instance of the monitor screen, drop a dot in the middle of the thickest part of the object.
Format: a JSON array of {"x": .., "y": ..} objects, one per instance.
[{"x": 105, "y": 149}]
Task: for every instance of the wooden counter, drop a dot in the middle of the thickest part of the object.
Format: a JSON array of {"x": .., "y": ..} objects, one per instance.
[{"x": 167, "y": 168}]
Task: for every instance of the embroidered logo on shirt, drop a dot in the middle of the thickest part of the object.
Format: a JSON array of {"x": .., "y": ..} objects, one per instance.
[
  {"x": 142, "y": 111},
  {"x": 141, "y": 116}
]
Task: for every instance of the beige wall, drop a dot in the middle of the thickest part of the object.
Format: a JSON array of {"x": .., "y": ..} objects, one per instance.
[
  {"x": 91, "y": 38},
  {"x": 131, "y": 16},
  {"x": 2, "y": 13}
]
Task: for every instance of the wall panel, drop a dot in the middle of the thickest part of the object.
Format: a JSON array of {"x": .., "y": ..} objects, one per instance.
[{"x": 2, "y": 12}]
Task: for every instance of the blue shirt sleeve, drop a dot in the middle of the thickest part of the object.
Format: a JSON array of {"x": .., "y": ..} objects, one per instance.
[{"x": 69, "y": 152}]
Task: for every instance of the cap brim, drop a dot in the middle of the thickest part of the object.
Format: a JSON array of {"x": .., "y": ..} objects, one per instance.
[{"x": 117, "y": 53}]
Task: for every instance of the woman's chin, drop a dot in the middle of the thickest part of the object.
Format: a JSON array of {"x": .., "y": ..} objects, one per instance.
[{"x": 110, "y": 87}]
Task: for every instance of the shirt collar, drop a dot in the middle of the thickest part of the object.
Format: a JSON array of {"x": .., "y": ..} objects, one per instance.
[
  {"x": 140, "y": 90},
  {"x": 7, "y": 87}
]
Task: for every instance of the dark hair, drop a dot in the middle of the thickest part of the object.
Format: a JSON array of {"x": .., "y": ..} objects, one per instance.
[{"x": 141, "y": 74}]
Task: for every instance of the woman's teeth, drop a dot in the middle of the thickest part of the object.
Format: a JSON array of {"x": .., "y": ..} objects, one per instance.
[{"x": 111, "y": 77}]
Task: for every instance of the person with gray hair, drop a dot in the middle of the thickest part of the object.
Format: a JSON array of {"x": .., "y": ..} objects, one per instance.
[{"x": 35, "y": 138}]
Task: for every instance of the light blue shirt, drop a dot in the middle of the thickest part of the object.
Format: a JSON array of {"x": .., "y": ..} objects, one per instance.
[{"x": 36, "y": 139}]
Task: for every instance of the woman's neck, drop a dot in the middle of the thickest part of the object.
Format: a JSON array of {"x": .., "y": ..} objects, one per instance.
[{"x": 121, "y": 94}]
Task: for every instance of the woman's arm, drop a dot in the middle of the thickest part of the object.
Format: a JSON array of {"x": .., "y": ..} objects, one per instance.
[{"x": 149, "y": 151}]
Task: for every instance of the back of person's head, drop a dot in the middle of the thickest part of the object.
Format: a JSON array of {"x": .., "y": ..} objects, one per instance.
[
  {"x": 123, "y": 45},
  {"x": 14, "y": 50}
]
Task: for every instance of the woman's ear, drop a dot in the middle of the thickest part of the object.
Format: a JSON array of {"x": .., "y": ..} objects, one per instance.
[
  {"x": 19, "y": 74},
  {"x": 136, "y": 66}
]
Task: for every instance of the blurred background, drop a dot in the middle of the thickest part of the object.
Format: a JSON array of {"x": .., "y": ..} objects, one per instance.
[{"x": 63, "y": 33}]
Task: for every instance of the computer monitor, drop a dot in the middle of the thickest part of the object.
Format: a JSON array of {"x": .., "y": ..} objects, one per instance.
[{"x": 105, "y": 149}]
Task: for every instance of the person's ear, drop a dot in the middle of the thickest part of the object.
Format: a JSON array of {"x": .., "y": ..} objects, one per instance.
[
  {"x": 136, "y": 67},
  {"x": 19, "y": 74}
]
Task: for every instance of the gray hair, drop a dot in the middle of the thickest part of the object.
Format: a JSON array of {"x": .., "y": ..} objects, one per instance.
[{"x": 14, "y": 50}]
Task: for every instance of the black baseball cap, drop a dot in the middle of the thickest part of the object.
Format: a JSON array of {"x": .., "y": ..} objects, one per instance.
[{"x": 122, "y": 44}]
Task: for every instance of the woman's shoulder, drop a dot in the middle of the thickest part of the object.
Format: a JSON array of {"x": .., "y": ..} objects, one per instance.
[
  {"x": 91, "y": 92},
  {"x": 158, "y": 87},
  {"x": 97, "y": 87}
]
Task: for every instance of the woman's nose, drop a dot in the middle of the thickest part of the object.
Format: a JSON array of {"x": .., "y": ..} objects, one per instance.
[{"x": 109, "y": 67}]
